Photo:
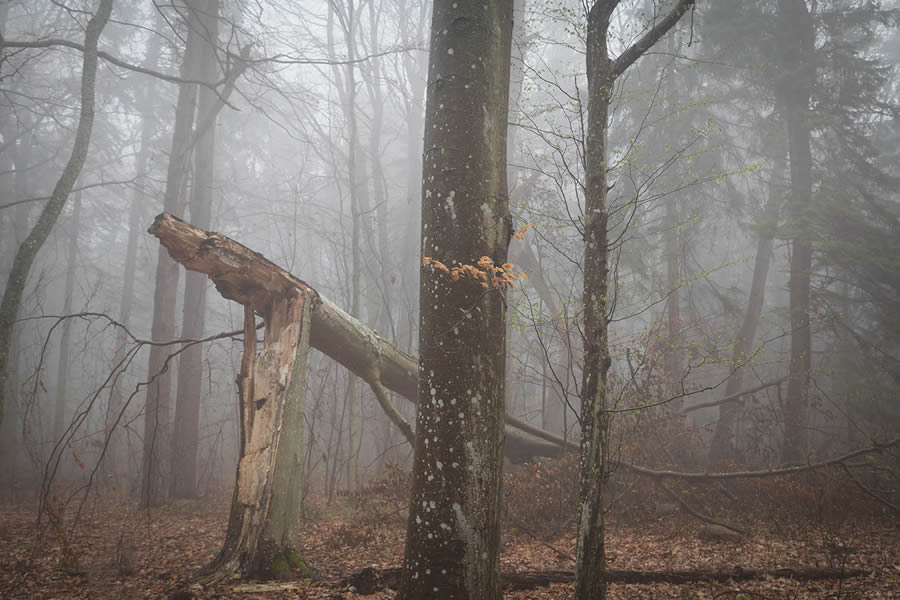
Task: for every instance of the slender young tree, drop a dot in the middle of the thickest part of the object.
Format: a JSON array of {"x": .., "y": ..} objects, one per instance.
[
  {"x": 453, "y": 535},
  {"x": 25, "y": 255},
  {"x": 602, "y": 72}
]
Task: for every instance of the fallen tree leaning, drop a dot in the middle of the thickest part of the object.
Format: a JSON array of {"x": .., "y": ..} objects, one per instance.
[{"x": 239, "y": 272}]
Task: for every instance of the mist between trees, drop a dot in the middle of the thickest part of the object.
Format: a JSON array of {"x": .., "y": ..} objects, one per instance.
[{"x": 636, "y": 247}]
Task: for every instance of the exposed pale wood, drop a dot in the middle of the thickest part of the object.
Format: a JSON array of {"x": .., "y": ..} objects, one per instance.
[
  {"x": 248, "y": 277},
  {"x": 264, "y": 510}
]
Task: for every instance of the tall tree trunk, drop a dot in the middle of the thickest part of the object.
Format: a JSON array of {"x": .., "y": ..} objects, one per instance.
[
  {"x": 415, "y": 67},
  {"x": 18, "y": 276},
  {"x": 157, "y": 441},
  {"x": 190, "y": 365},
  {"x": 453, "y": 534},
  {"x": 590, "y": 549},
  {"x": 797, "y": 38},
  {"x": 114, "y": 458},
  {"x": 590, "y": 552},
  {"x": 346, "y": 85},
  {"x": 62, "y": 366},
  {"x": 723, "y": 447},
  {"x": 381, "y": 315}
]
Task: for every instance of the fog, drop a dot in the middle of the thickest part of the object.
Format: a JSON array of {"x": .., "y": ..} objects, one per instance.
[{"x": 302, "y": 139}]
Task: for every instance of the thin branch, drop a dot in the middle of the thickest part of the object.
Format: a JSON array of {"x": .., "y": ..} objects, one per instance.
[
  {"x": 734, "y": 397},
  {"x": 77, "y": 189},
  {"x": 52, "y": 42},
  {"x": 654, "y": 474}
]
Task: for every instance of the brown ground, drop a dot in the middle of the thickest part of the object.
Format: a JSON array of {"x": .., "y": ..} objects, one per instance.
[{"x": 172, "y": 542}]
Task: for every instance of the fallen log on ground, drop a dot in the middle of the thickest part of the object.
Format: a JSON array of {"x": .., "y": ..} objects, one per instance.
[
  {"x": 370, "y": 580},
  {"x": 241, "y": 273}
]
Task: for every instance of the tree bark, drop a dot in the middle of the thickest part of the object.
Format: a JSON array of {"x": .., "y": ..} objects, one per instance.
[
  {"x": 590, "y": 551},
  {"x": 453, "y": 533},
  {"x": 262, "y": 539},
  {"x": 190, "y": 365},
  {"x": 18, "y": 276}
]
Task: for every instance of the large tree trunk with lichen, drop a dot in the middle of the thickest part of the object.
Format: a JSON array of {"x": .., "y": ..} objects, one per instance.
[{"x": 453, "y": 534}]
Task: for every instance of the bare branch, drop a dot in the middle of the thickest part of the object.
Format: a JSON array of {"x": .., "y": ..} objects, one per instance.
[
  {"x": 654, "y": 474},
  {"x": 734, "y": 397},
  {"x": 627, "y": 58}
]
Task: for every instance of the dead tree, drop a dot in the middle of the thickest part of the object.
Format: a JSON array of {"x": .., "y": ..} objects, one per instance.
[
  {"x": 263, "y": 536},
  {"x": 233, "y": 267}
]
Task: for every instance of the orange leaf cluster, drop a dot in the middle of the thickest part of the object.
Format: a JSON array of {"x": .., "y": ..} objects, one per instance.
[
  {"x": 520, "y": 234},
  {"x": 485, "y": 272}
]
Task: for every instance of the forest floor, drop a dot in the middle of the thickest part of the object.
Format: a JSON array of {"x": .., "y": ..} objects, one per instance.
[{"x": 171, "y": 543}]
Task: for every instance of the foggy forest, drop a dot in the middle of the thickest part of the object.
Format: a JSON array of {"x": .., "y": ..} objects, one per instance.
[{"x": 445, "y": 299}]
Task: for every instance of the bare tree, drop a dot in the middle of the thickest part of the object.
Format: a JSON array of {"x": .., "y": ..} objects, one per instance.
[
  {"x": 25, "y": 255},
  {"x": 157, "y": 441},
  {"x": 602, "y": 72}
]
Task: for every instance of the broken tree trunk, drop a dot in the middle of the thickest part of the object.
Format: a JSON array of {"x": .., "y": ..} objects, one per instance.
[
  {"x": 247, "y": 277},
  {"x": 262, "y": 537}
]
